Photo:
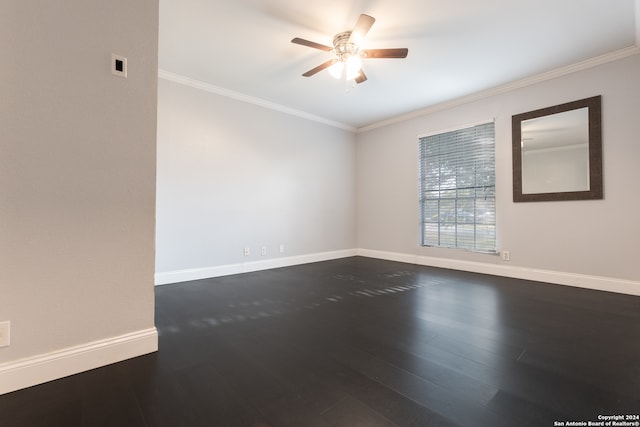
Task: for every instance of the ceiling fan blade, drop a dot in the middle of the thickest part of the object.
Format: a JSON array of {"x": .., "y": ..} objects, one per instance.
[
  {"x": 314, "y": 45},
  {"x": 361, "y": 29},
  {"x": 384, "y": 53},
  {"x": 320, "y": 67},
  {"x": 362, "y": 77}
]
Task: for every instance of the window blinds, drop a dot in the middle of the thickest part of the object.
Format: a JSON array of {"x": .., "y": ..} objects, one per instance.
[{"x": 457, "y": 175}]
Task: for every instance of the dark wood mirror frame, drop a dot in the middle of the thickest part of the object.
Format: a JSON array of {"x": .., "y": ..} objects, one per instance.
[{"x": 595, "y": 152}]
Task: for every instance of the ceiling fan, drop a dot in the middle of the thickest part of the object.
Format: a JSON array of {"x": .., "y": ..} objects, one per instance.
[{"x": 346, "y": 47}]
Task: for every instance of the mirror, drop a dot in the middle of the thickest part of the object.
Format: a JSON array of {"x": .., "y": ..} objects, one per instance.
[{"x": 557, "y": 152}]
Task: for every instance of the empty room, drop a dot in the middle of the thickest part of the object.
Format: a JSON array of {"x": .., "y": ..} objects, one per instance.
[{"x": 333, "y": 214}]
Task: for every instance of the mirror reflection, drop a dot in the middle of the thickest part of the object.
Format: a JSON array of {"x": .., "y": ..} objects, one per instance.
[{"x": 555, "y": 152}]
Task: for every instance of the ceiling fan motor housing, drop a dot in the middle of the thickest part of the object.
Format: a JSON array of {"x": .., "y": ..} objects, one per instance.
[{"x": 342, "y": 47}]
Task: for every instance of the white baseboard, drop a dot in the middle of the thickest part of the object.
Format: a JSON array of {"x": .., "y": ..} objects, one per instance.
[
  {"x": 608, "y": 284},
  {"x": 72, "y": 360},
  {"x": 599, "y": 283},
  {"x": 168, "y": 277}
]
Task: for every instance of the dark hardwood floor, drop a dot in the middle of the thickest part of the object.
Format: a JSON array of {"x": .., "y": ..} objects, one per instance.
[{"x": 361, "y": 342}]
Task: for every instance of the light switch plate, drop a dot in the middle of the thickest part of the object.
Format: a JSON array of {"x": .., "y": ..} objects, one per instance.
[{"x": 118, "y": 65}]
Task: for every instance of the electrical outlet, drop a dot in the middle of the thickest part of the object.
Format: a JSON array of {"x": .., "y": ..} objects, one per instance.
[
  {"x": 281, "y": 249},
  {"x": 263, "y": 251},
  {"x": 247, "y": 251},
  {"x": 506, "y": 256},
  {"x": 5, "y": 334}
]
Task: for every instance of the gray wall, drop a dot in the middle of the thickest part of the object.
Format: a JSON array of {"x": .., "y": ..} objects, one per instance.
[
  {"x": 594, "y": 238},
  {"x": 77, "y": 172},
  {"x": 233, "y": 175}
]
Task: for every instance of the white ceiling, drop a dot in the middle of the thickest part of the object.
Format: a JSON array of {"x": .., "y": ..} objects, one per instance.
[{"x": 456, "y": 48}]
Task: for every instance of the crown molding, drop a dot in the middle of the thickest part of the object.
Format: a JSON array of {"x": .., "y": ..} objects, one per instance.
[
  {"x": 207, "y": 87},
  {"x": 508, "y": 87},
  {"x": 528, "y": 81}
]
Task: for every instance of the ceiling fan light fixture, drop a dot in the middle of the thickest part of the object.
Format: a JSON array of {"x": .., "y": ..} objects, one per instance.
[
  {"x": 337, "y": 69},
  {"x": 348, "y": 68},
  {"x": 353, "y": 66}
]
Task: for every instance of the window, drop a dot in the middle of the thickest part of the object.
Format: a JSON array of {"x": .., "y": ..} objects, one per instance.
[{"x": 457, "y": 189}]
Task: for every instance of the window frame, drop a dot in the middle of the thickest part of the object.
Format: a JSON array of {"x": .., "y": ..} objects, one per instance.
[{"x": 479, "y": 245}]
